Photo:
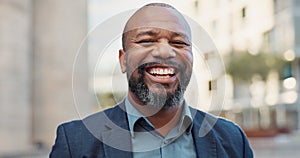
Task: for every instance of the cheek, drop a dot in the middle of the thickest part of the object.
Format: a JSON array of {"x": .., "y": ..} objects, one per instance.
[
  {"x": 187, "y": 59},
  {"x": 189, "y": 54},
  {"x": 133, "y": 61},
  {"x": 130, "y": 68},
  {"x": 137, "y": 56}
]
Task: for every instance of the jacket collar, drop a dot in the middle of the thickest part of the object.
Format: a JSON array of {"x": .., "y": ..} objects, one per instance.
[
  {"x": 204, "y": 140},
  {"x": 116, "y": 137}
]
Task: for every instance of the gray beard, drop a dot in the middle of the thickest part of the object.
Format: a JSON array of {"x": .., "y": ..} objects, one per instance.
[{"x": 154, "y": 99}]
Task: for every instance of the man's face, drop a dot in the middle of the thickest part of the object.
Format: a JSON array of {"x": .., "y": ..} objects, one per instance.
[{"x": 158, "y": 58}]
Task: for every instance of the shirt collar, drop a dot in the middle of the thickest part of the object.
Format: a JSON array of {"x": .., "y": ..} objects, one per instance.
[
  {"x": 133, "y": 115},
  {"x": 186, "y": 121}
]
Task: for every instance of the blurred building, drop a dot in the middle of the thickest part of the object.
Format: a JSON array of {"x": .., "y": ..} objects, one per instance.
[
  {"x": 38, "y": 45},
  {"x": 255, "y": 27},
  {"x": 268, "y": 28}
]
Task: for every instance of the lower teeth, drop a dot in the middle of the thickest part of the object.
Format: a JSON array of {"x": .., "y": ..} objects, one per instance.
[{"x": 162, "y": 76}]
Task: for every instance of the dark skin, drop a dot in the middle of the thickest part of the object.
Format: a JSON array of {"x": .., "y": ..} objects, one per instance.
[{"x": 157, "y": 34}]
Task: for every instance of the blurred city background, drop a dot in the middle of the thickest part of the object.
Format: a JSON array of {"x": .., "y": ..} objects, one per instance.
[{"x": 53, "y": 71}]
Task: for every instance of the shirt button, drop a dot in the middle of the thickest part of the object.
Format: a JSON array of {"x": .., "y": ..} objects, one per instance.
[{"x": 167, "y": 141}]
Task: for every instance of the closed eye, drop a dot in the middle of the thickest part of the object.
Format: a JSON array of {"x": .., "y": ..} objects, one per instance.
[
  {"x": 180, "y": 43},
  {"x": 145, "y": 41}
]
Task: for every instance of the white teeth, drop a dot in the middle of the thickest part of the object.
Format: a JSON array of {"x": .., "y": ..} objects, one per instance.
[
  {"x": 162, "y": 71},
  {"x": 162, "y": 76},
  {"x": 165, "y": 71}
]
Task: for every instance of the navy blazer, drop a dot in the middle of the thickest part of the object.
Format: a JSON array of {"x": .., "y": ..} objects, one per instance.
[{"x": 106, "y": 134}]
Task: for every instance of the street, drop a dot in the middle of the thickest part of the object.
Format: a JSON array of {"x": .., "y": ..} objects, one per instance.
[{"x": 281, "y": 146}]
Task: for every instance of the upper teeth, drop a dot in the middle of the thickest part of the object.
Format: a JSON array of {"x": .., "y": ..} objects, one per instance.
[{"x": 162, "y": 71}]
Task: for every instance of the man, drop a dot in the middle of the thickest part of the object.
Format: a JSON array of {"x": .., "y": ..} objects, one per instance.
[{"x": 153, "y": 120}]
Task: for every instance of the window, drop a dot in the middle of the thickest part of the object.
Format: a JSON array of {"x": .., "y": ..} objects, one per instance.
[
  {"x": 212, "y": 85},
  {"x": 244, "y": 13}
]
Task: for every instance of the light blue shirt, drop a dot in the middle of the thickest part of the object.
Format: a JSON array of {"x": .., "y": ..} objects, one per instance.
[{"x": 147, "y": 142}]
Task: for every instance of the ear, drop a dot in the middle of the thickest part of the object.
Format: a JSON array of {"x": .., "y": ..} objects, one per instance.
[{"x": 122, "y": 60}]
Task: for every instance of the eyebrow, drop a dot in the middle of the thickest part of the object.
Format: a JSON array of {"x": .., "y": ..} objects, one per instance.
[{"x": 155, "y": 33}]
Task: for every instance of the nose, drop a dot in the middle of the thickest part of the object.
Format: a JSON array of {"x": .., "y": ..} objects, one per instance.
[{"x": 164, "y": 51}]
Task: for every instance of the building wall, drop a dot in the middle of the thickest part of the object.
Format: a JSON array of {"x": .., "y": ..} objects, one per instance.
[
  {"x": 296, "y": 19},
  {"x": 255, "y": 26},
  {"x": 39, "y": 41},
  {"x": 15, "y": 78},
  {"x": 59, "y": 28}
]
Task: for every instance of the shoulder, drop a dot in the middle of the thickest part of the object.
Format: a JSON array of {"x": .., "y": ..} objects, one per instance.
[
  {"x": 81, "y": 124},
  {"x": 95, "y": 123},
  {"x": 83, "y": 131},
  {"x": 212, "y": 120},
  {"x": 222, "y": 128},
  {"x": 228, "y": 137}
]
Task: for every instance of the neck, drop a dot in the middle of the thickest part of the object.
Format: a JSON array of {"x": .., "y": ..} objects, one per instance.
[{"x": 163, "y": 119}]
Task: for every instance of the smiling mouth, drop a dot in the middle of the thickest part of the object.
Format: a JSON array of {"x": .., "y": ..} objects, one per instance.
[{"x": 161, "y": 72}]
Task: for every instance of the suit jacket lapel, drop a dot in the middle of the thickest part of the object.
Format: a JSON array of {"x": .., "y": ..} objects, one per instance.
[
  {"x": 117, "y": 139},
  {"x": 204, "y": 140}
]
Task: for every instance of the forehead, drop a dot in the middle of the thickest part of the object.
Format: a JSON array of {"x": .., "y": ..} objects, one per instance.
[{"x": 158, "y": 18}]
